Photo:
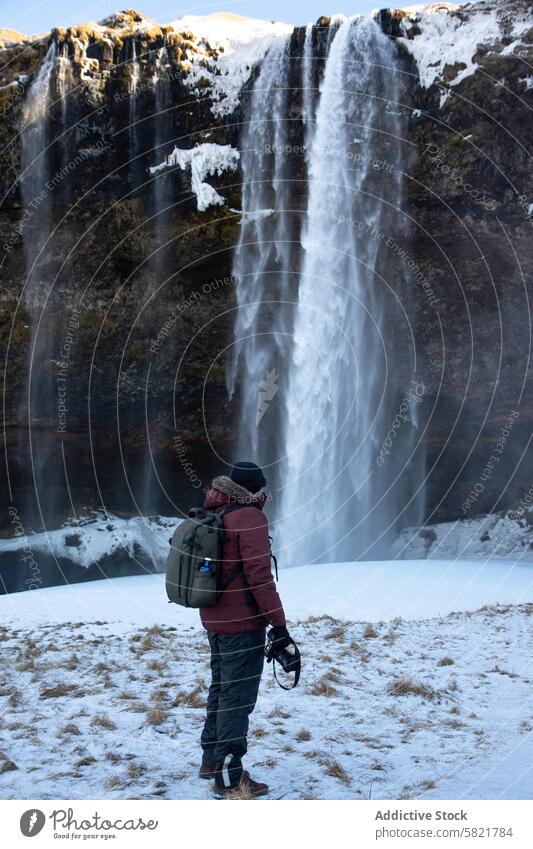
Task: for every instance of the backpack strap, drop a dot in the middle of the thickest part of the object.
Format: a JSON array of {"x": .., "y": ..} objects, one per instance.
[{"x": 238, "y": 569}]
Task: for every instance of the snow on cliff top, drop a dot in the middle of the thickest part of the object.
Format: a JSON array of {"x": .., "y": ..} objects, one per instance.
[
  {"x": 240, "y": 42},
  {"x": 441, "y": 34}
]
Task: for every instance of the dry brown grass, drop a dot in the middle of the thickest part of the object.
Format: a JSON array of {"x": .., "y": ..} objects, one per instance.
[
  {"x": 241, "y": 793},
  {"x": 159, "y": 695},
  {"x": 156, "y": 716},
  {"x": 70, "y": 728},
  {"x": 336, "y": 770},
  {"x": 157, "y": 666},
  {"x": 446, "y": 661},
  {"x": 322, "y": 688},
  {"x": 338, "y": 634},
  {"x": 136, "y": 769},
  {"x": 370, "y": 632},
  {"x": 86, "y": 761},
  {"x": 303, "y": 735},
  {"x": 258, "y": 732},
  {"x": 15, "y": 698},
  {"x": 278, "y": 713},
  {"x": 114, "y": 783},
  {"x": 138, "y": 707},
  {"x": 194, "y": 699},
  {"x": 501, "y": 671},
  {"x": 126, "y": 695},
  {"x": 59, "y": 690},
  {"x": 102, "y": 721},
  {"x": 408, "y": 687},
  {"x": 114, "y": 757}
]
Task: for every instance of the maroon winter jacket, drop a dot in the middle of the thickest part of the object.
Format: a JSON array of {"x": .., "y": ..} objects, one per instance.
[{"x": 245, "y": 542}]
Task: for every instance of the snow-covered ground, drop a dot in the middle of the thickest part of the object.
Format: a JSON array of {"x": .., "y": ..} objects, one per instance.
[
  {"x": 505, "y": 534},
  {"x": 85, "y": 542},
  {"x": 102, "y": 687}
]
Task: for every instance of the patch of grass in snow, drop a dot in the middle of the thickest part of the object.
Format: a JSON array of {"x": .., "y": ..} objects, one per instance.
[
  {"x": 59, "y": 690},
  {"x": 193, "y": 699},
  {"x": 102, "y": 721},
  {"x": 338, "y": 634},
  {"x": 70, "y": 728},
  {"x": 322, "y": 688},
  {"x": 497, "y": 669},
  {"x": 370, "y": 632},
  {"x": 86, "y": 761},
  {"x": 126, "y": 695},
  {"x": 258, "y": 732},
  {"x": 156, "y": 716},
  {"x": 136, "y": 769},
  {"x": 336, "y": 770},
  {"x": 303, "y": 735},
  {"x": 278, "y": 713},
  {"x": 157, "y": 666},
  {"x": 408, "y": 687},
  {"x": 138, "y": 707},
  {"x": 15, "y": 698},
  {"x": 446, "y": 661},
  {"x": 114, "y": 783},
  {"x": 159, "y": 695}
]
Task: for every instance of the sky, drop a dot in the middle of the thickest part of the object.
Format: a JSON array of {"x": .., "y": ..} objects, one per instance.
[{"x": 33, "y": 16}]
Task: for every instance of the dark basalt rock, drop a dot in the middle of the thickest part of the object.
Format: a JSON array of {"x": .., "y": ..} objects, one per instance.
[{"x": 131, "y": 276}]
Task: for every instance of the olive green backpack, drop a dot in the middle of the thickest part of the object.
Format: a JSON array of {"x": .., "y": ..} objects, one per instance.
[{"x": 195, "y": 559}]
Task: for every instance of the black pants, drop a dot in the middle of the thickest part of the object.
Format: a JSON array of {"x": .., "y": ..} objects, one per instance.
[{"x": 236, "y": 667}]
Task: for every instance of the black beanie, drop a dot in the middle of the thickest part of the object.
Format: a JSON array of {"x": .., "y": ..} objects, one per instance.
[{"x": 249, "y": 476}]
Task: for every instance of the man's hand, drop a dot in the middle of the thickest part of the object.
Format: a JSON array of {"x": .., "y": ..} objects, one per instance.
[{"x": 280, "y": 637}]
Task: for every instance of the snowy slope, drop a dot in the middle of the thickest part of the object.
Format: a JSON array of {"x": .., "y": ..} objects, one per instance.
[
  {"x": 88, "y": 542},
  {"x": 102, "y": 687},
  {"x": 240, "y": 42},
  {"x": 508, "y": 535},
  {"x": 366, "y": 590},
  {"x": 443, "y": 34}
]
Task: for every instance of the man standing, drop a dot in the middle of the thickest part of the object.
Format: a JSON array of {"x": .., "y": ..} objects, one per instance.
[{"x": 236, "y": 628}]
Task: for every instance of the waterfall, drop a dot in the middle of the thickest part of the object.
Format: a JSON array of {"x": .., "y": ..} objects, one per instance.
[
  {"x": 43, "y": 149},
  {"x": 264, "y": 257},
  {"x": 346, "y": 362}
]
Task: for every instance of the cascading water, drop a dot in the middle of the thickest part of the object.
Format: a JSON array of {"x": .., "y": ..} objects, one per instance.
[
  {"x": 265, "y": 254},
  {"x": 347, "y": 358},
  {"x": 39, "y": 157}
]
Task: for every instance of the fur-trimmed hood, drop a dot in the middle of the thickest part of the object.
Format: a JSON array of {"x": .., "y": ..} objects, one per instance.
[{"x": 225, "y": 491}]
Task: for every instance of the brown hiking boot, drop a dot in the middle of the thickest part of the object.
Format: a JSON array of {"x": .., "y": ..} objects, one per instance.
[
  {"x": 247, "y": 788},
  {"x": 207, "y": 770}
]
